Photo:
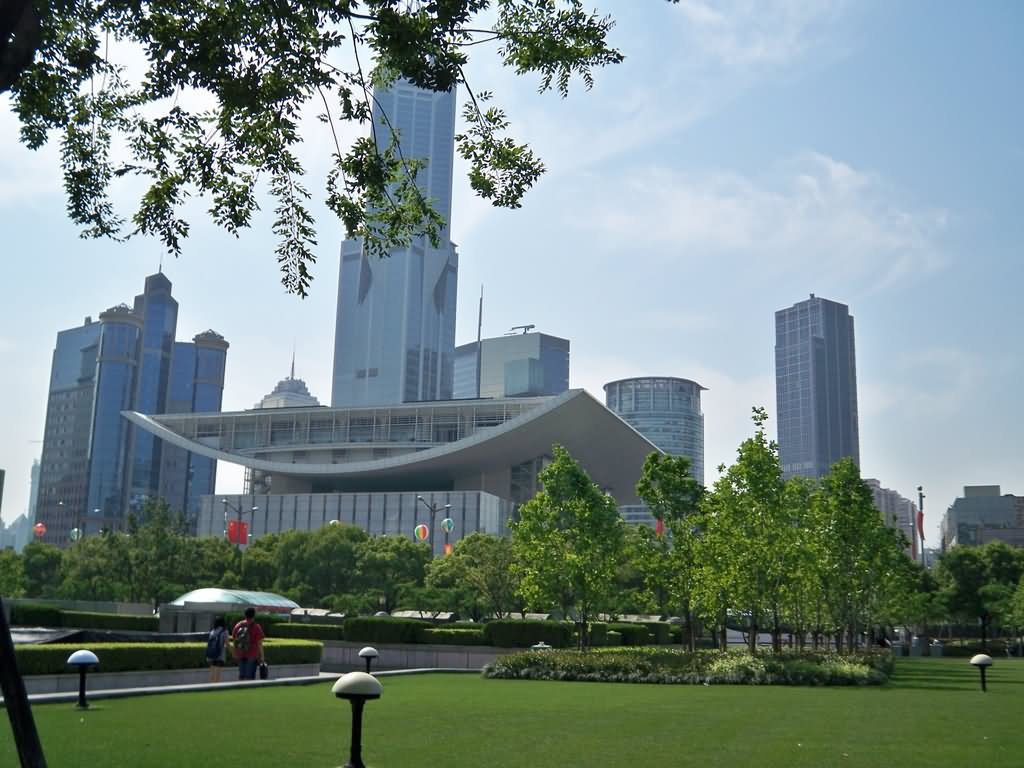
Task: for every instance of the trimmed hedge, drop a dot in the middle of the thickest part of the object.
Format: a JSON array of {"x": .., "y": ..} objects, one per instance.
[
  {"x": 659, "y": 630},
  {"x": 598, "y": 633},
  {"x": 383, "y": 629},
  {"x": 52, "y": 659},
  {"x": 39, "y": 615},
  {"x": 632, "y": 634},
  {"x": 448, "y": 636},
  {"x": 306, "y": 631},
  {"x": 507, "y": 633},
  {"x": 661, "y": 665},
  {"x": 613, "y": 638}
]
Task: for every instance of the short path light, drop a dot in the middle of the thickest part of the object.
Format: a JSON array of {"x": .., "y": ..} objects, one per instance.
[
  {"x": 982, "y": 661},
  {"x": 357, "y": 687},
  {"x": 541, "y": 646},
  {"x": 369, "y": 653},
  {"x": 83, "y": 660}
]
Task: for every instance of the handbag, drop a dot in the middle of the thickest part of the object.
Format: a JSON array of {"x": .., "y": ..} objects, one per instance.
[{"x": 264, "y": 671}]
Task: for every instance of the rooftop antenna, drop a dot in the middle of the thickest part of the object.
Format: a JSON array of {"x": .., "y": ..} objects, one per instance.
[
  {"x": 293, "y": 360},
  {"x": 524, "y": 328},
  {"x": 479, "y": 339}
]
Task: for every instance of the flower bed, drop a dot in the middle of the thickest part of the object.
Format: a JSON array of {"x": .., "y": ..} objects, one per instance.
[{"x": 665, "y": 665}]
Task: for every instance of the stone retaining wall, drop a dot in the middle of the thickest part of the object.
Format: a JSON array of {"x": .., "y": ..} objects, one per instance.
[{"x": 340, "y": 656}]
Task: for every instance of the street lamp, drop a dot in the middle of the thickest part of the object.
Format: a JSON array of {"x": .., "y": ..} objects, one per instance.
[
  {"x": 238, "y": 513},
  {"x": 920, "y": 511},
  {"x": 83, "y": 660},
  {"x": 434, "y": 509},
  {"x": 369, "y": 653},
  {"x": 358, "y": 688}
]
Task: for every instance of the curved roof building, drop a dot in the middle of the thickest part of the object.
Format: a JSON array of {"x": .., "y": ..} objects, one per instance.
[{"x": 387, "y": 469}]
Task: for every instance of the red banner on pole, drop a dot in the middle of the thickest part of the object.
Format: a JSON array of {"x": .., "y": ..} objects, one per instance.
[
  {"x": 447, "y": 549},
  {"x": 920, "y": 526},
  {"x": 659, "y": 527},
  {"x": 238, "y": 532}
]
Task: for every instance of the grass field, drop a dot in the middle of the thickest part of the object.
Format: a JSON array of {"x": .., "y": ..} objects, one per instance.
[{"x": 933, "y": 713}]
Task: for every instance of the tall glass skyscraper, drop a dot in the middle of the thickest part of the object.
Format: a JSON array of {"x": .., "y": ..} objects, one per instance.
[
  {"x": 96, "y": 468},
  {"x": 395, "y": 332},
  {"x": 520, "y": 365},
  {"x": 815, "y": 386},
  {"x": 666, "y": 411}
]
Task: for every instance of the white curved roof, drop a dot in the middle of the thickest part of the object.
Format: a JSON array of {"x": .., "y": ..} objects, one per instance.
[{"x": 609, "y": 449}]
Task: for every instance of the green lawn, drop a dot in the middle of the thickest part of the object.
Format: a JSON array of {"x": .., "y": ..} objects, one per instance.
[{"x": 932, "y": 714}]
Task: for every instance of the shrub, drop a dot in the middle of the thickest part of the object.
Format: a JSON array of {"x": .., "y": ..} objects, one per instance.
[
  {"x": 458, "y": 636},
  {"x": 382, "y": 629},
  {"x": 659, "y": 630},
  {"x": 51, "y": 659},
  {"x": 613, "y": 638},
  {"x": 509, "y": 633},
  {"x": 90, "y": 620},
  {"x": 598, "y": 633},
  {"x": 306, "y": 631},
  {"x": 36, "y": 615},
  {"x": 662, "y": 665},
  {"x": 632, "y": 634}
]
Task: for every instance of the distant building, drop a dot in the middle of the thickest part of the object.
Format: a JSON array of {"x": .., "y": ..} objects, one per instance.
[
  {"x": 394, "y": 337},
  {"x": 96, "y": 468},
  {"x": 815, "y": 387},
  {"x": 388, "y": 470},
  {"x": 981, "y": 515},
  {"x": 897, "y": 512},
  {"x": 666, "y": 411},
  {"x": 518, "y": 365},
  {"x": 33, "y": 491},
  {"x": 289, "y": 393}
]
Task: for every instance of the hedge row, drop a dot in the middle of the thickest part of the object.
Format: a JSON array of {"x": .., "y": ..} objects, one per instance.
[
  {"x": 133, "y": 657},
  {"x": 306, "y": 631},
  {"x": 662, "y": 665},
  {"x": 37, "y": 615},
  {"x": 382, "y": 629},
  {"x": 457, "y": 636},
  {"x": 522, "y": 634}
]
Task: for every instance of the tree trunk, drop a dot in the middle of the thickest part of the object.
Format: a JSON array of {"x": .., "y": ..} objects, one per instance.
[
  {"x": 723, "y": 637},
  {"x": 691, "y": 635}
]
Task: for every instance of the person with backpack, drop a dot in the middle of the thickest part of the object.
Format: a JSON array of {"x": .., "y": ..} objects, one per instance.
[
  {"x": 247, "y": 645},
  {"x": 216, "y": 648}
]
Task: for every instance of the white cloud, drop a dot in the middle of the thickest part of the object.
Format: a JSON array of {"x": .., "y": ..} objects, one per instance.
[
  {"x": 815, "y": 216},
  {"x": 742, "y": 34}
]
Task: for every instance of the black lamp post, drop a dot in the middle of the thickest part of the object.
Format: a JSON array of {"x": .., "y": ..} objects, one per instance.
[
  {"x": 982, "y": 661},
  {"x": 358, "y": 688},
  {"x": 434, "y": 509},
  {"x": 920, "y": 509},
  {"x": 369, "y": 653},
  {"x": 83, "y": 660}
]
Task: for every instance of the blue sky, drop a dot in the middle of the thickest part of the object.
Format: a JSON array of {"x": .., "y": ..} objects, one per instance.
[{"x": 743, "y": 156}]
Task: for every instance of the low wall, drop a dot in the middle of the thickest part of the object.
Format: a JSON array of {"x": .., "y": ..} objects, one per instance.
[
  {"x": 102, "y": 681},
  {"x": 339, "y": 656}
]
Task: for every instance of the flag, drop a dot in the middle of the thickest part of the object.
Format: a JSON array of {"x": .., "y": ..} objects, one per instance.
[
  {"x": 238, "y": 532},
  {"x": 659, "y": 527},
  {"x": 920, "y": 525},
  {"x": 447, "y": 549}
]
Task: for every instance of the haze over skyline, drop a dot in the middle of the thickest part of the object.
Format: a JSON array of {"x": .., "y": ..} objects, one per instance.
[{"x": 742, "y": 157}]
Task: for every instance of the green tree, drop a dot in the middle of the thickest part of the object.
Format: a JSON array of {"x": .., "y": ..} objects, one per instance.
[
  {"x": 155, "y": 546},
  {"x": 255, "y": 66},
  {"x": 42, "y": 565},
  {"x": 480, "y": 574},
  {"x": 748, "y": 528},
  {"x": 668, "y": 562},
  {"x": 978, "y": 582},
  {"x": 389, "y": 564},
  {"x": 94, "y": 569},
  {"x": 568, "y": 542},
  {"x": 12, "y": 574}
]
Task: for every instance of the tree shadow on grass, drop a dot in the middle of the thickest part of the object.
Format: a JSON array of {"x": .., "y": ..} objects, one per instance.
[{"x": 944, "y": 678}]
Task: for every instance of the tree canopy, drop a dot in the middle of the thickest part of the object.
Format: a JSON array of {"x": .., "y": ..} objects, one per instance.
[{"x": 214, "y": 108}]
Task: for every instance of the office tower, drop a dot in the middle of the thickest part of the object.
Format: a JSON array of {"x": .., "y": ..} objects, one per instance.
[
  {"x": 815, "y": 387},
  {"x": 96, "y": 468},
  {"x": 897, "y": 512},
  {"x": 666, "y": 411},
  {"x": 395, "y": 331},
  {"x": 519, "y": 365},
  {"x": 983, "y": 514},
  {"x": 289, "y": 393}
]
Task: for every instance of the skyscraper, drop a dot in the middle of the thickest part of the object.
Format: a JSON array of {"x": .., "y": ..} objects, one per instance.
[
  {"x": 666, "y": 411},
  {"x": 520, "y": 365},
  {"x": 395, "y": 331},
  {"x": 96, "y": 468},
  {"x": 815, "y": 387}
]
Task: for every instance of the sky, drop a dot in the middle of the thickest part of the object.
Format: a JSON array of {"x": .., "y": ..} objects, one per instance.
[{"x": 744, "y": 155}]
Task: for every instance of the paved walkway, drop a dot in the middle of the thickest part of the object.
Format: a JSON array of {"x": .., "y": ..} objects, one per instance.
[{"x": 224, "y": 685}]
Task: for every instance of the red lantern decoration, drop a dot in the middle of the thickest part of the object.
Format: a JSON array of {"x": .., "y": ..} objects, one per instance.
[{"x": 39, "y": 529}]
